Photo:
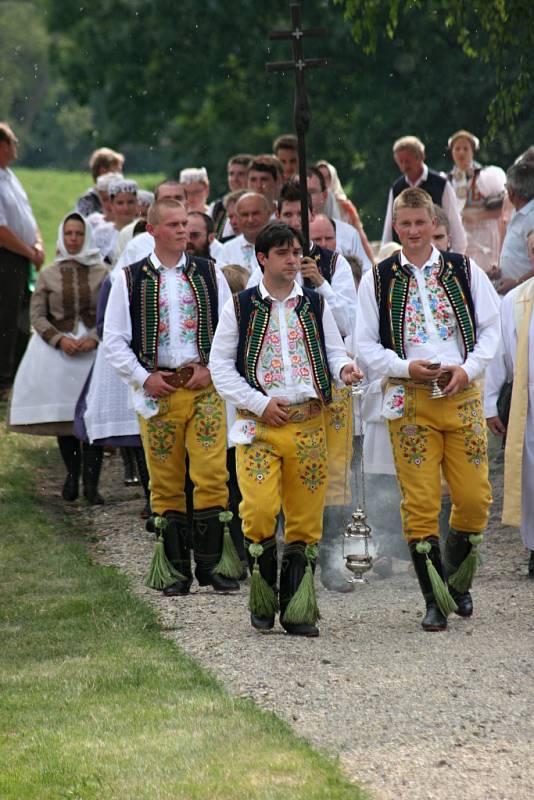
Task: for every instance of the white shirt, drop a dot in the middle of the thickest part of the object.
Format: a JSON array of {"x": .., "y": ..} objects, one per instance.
[
  {"x": 449, "y": 204},
  {"x": 216, "y": 250},
  {"x": 118, "y": 326},
  {"x": 341, "y": 294},
  {"x": 234, "y": 388},
  {"x": 139, "y": 247},
  {"x": 501, "y": 369},
  {"x": 239, "y": 251},
  {"x": 387, "y": 363},
  {"x": 348, "y": 242},
  {"x": 514, "y": 261},
  {"x": 15, "y": 210}
]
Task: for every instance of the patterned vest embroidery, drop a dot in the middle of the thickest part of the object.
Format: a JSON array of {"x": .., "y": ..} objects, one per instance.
[
  {"x": 253, "y": 314},
  {"x": 392, "y": 281},
  {"x": 326, "y": 260}
]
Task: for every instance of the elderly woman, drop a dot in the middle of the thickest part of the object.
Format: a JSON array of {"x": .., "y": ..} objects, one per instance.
[
  {"x": 61, "y": 353},
  {"x": 480, "y": 194}
]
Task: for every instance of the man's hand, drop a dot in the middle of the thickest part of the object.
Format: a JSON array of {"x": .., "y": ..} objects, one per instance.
[
  {"x": 350, "y": 374},
  {"x": 200, "y": 379},
  {"x": 496, "y": 426},
  {"x": 458, "y": 382},
  {"x": 86, "y": 344},
  {"x": 506, "y": 285},
  {"x": 275, "y": 413},
  {"x": 156, "y": 386},
  {"x": 69, "y": 346},
  {"x": 38, "y": 256},
  {"x": 419, "y": 370},
  {"x": 310, "y": 270},
  {"x": 494, "y": 273}
]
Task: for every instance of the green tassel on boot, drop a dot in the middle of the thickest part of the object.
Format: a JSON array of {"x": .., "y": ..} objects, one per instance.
[
  {"x": 462, "y": 579},
  {"x": 161, "y": 572},
  {"x": 302, "y": 609},
  {"x": 439, "y": 588},
  {"x": 263, "y": 601},
  {"x": 229, "y": 565}
]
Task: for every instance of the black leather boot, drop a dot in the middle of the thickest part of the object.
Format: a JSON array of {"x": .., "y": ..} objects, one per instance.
[
  {"x": 130, "y": 472},
  {"x": 457, "y": 548},
  {"x": 333, "y": 573},
  {"x": 292, "y": 572},
  {"x": 177, "y": 542},
  {"x": 531, "y": 565},
  {"x": 92, "y": 464},
  {"x": 262, "y": 603},
  {"x": 433, "y": 620},
  {"x": 207, "y": 549},
  {"x": 142, "y": 469},
  {"x": 70, "y": 449}
]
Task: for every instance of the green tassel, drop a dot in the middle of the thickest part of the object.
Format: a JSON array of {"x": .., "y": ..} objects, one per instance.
[
  {"x": 161, "y": 572},
  {"x": 462, "y": 579},
  {"x": 230, "y": 565},
  {"x": 263, "y": 601},
  {"x": 439, "y": 588},
  {"x": 302, "y": 609}
]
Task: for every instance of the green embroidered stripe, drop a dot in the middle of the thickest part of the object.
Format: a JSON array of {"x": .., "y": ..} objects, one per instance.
[
  {"x": 315, "y": 351},
  {"x": 458, "y": 301},
  {"x": 397, "y": 294},
  {"x": 257, "y": 328},
  {"x": 204, "y": 319},
  {"x": 150, "y": 318}
]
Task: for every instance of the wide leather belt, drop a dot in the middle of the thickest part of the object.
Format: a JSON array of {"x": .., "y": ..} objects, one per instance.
[
  {"x": 443, "y": 380},
  {"x": 179, "y": 376},
  {"x": 299, "y": 412}
]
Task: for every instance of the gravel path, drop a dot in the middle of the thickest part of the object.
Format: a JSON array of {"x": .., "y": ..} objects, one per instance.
[{"x": 411, "y": 715}]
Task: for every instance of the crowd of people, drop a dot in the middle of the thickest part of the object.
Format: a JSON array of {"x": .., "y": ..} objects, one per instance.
[{"x": 216, "y": 349}]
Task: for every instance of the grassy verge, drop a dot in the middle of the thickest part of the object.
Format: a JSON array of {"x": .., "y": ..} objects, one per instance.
[{"x": 95, "y": 703}]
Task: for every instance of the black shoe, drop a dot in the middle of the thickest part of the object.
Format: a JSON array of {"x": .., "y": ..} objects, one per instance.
[
  {"x": 130, "y": 474},
  {"x": 178, "y": 589},
  {"x": 207, "y": 549},
  {"x": 463, "y": 601},
  {"x": 434, "y": 620},
  {"x": 93, "y": 497},
  {"x": 146, "y": 512},
  {"x": 223, "y": 585},
  {"x": 70, "y": 489},
  {"x": 262, "y": 623},
  {"x": 92, "y": 463},
  {"x": 531, "y": 565},
  {"x": 300, "y": 630},
  {"x": 150, "y": 524},
  {"x": 294, "y": 564}
]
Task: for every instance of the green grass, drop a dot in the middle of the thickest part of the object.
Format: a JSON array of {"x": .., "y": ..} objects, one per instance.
[
  {"x": 53, "y": 193},
  {"x": 95, "y": 703}
]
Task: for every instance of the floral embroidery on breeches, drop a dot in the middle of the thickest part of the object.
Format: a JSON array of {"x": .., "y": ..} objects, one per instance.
[
  {"x": 474, "y": 432},
  {"x": 413, "y": 441},
  {"x": 208, "y": 419},
  {"x": 257, "y": 460},
  {"x": 161, "y": 437},
  {"x": 311, "y": 456},
  {"x": 336, "y": 411}
]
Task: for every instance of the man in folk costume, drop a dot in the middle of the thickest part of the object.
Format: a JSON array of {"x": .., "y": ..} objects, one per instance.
[
  {"x": 158, "y": 331},
  {"x": 515, "y": 360},
  {"x": 426, "y": 316},
  {"x": 328, "y": 273},
  {"x": 275, "y": 351}
]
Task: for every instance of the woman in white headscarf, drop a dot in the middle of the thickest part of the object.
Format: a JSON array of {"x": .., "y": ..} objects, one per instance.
[{"x": 61, "y": 353}]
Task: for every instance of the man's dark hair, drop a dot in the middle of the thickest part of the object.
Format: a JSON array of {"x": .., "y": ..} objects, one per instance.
[
  {"x": 290, "y": 193},
  {"x": 276, "y": 234},
  {"x": 208, "y": 222},
  {"x": 319, "y": 175},
  {"x": 241, "y": 158},
  {"x": 268, "y": 164},
  {"x": 287, "y": 141}
]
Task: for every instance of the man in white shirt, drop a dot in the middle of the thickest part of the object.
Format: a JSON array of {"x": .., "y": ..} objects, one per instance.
[
  {"x": 514, "y": 261},
  {"x": 409, "y": 155},
  {"x": 274, "y": 355},
  {"x": 429, "y": 325},
  {"x": 253, "y": 212},
  {"x": 159, "y": 325},
  {"x": 20, "y": 243}
]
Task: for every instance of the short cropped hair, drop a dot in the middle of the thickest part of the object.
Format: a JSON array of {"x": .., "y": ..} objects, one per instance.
[
  {"x": 243, "y": 159},
  {"x": 154, "y": 212},
  {"x": 520, "y": 176},
  {"x": 411, "y": 143},
  {"x": 208, "y": 222},
  {"x": 266, "y": 163},
  {"x": 233, "y": 197},
  {"x": 107, "y": 158},
  {"x": 413, "y": 198},
  {"x": 287, "y": 141},
  {"x": 166, "y": 182},
  {"x": 276, "y": 234},
  {"x": 441, "y": 218},
  {"x": 290, "y": 193}
]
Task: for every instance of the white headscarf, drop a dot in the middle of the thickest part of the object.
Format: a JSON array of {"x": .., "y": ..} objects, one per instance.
[{"x": 88, "y": 255}]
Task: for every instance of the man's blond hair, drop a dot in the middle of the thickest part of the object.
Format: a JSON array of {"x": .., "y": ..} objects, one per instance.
[
  {"x": 411, "y": 143},
  {"x": 413, "y": 198},
  {"x": 154, "y": 212}
]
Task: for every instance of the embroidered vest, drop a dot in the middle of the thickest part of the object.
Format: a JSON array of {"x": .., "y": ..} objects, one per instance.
[
  {"x": 434, "y": 185},
  {"x": 143, "y": 281},
  {"x": 253, "y": 313},
  {"x": 391, "y": 290},
  {"x": 326, "y": 260}
]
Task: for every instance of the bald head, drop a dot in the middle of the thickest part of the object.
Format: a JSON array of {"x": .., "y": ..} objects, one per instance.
[
  {"x": 253, "y": 212},
  {"x": 323, "y": 232}
]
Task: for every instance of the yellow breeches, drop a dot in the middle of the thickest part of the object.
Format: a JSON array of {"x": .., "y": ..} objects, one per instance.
[
  {"x": 338, "y": 424},
  {"x": 447, "y": 434},
  {"x": 192, "y": 420},
  {"x": 284, "y": 468}
]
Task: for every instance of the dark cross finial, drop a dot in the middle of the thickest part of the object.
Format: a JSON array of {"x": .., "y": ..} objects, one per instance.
[{"x": 302, "y": 105}]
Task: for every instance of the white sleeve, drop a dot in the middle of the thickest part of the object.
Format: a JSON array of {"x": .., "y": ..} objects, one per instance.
[
  {"x": 501, "y": 367},
  {"x": 487, "y": 306},
  {"x": 450, "y": 207},
  {"x": 373, "y": 355},
  {"x": 336, "y": 352},
  {"x": 118, "y": 335},
  {"x": 223, "y": 291},
  {"x": 387, "y": 233},
  {"x": 222, "y": 365},
  {"x": 341, "y": 296},
  {"x": 255, "y": 278}
]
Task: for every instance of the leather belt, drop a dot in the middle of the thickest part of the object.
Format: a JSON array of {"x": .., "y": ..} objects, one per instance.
[
  {"x": 179, "y": 377},
  {"x": 443, "y": 380},
  {"x": 299, "y": 412}
]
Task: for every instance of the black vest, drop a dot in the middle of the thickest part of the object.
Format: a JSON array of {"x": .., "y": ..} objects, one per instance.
[
  {"x": 434, "y": 185},
  {"x": 326, "y": 260}
]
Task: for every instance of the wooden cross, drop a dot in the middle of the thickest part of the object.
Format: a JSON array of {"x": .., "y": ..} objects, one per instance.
[{"x": 302, "y": 114}]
